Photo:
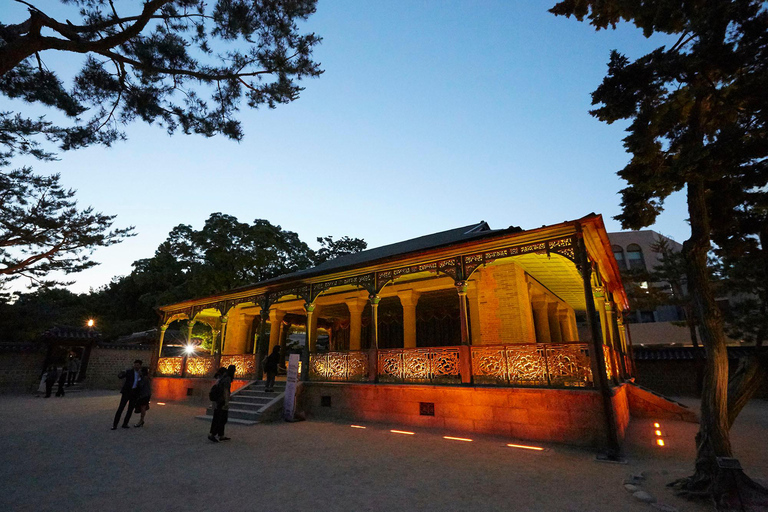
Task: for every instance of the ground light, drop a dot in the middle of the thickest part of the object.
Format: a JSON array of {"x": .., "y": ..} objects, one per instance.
[
  {"x": 160, "y": 403},
  {"x": 524, "y": 447},
  {"x": 458, "y": 439},
  {"x": 357, "y": 426},
  {"x": 90, "y": 322},
  {"x": 403, "y": 432},
  {"x": 659, "y": 440}
]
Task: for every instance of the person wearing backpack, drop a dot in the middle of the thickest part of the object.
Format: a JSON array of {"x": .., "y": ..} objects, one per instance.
[{"x": 219, "y": 396}]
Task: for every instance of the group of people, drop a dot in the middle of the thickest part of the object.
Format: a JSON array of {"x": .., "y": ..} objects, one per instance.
[
  {"x": 65, "y": 375},
  {"x": 135, "y": 393}
]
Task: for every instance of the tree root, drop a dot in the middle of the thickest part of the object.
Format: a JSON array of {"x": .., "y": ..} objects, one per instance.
[{"x": 730, "y": 491}]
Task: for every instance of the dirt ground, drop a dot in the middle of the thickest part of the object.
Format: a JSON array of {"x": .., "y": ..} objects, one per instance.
[{"x": 60, "y": 454}]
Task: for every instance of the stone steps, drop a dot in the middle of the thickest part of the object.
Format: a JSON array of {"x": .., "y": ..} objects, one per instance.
[{"x": 248, "y": 405}]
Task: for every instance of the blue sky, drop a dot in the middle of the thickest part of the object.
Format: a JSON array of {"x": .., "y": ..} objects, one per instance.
[{"x": 430, "y": 115}]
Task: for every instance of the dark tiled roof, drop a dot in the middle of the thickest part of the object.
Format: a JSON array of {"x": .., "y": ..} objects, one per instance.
[
  {"x": 71, "y": 333},
  {"x": 422, "y": 243},
  {"x": 682, "y": 353}
]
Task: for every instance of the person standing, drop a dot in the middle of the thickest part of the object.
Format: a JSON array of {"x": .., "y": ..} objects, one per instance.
[
  {"x": 221, "y": 405},
  {"x": 145, "y": 393},
  {"x": 129, "y": 393},
  {"x": 62, "y": 379},
  {"x": 74, "y": 369},
  {"x": 271, "y": 363},
  {"x": 50, "y": 380}
]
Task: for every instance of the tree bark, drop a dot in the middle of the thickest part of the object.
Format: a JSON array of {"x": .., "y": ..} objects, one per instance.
[{"x": 712, "y": 441}]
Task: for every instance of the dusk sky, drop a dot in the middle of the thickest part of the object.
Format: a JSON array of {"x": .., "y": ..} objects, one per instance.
[{"x": 429, "y": 116}]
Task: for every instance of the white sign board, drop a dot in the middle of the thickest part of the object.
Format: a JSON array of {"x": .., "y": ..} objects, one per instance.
[{"x": 289, "y": 405}]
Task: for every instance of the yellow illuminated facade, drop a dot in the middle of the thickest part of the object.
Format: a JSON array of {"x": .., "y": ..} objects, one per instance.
[{"x": 504, "y": 308}]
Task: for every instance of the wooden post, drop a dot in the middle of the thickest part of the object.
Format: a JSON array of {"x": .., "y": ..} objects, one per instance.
[
  {"x": 465, "y": 351},
  {"x": 163, "y": 328},
  {"x": 310, "y": 308},
  {"x": 258, "y": 347},
  {"x": 613, "y": 449},
  {"x": 373, "y": 353}
]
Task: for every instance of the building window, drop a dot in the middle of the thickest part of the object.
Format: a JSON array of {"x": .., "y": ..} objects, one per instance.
[
  {"x": 635, "y": 257},
  {"x": 618, "y": 253}
]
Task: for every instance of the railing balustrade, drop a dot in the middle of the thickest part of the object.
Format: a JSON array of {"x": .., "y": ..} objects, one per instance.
[
  {"x": 202, "y": 366},
  {"x": 521, "y": 364},
  {"x": 439, "y": 365},
  {"x": 245, "y": 363},
  {"x": 349, "y": 366},
  {"x": 169, "y": 366},
  {"x": 532, "y": 364}
]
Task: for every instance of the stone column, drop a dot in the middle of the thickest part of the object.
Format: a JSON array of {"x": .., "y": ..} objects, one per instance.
[
  {"x": 409, "y": 299},
  {"x": 474, "y": 312},
  {"x": 214, "y": 340},
  {"x": 565, "y": 325},
  {"x": 163, "y": 328},
  {"x": 276, "y": 324},
  {"x": 553, "y": 317},
  {"x": 541, "y": 320},
  {"x": 356, "y": 307}
]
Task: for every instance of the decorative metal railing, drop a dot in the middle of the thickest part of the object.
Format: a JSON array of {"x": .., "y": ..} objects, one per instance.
[
  {"x": 245, "y": 363},
  {"x": 440, "y": 365},
  {"x": 170, "y": 366},
  {"x": 339, "y": 366},
  {"x": 533, "y": 364},
  {"x": 203, "y": 366}
]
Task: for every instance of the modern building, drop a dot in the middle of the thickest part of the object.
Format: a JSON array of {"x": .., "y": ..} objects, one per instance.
[{"x": 471, "y": 329}]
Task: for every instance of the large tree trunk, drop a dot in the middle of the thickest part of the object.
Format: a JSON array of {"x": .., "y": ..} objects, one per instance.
[
  {"x": 730, "y": 488},
  {"x": 712, "y": 440}
]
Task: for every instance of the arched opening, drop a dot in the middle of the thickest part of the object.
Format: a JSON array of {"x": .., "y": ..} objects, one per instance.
[
  {"x": 635, "y": 257},
  {"x": 618, "y": 253}
]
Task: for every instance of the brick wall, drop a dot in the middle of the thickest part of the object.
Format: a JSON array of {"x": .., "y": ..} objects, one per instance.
[
  {"x": 551, "y": 415},
  {"x": 677, "y": 377},
  {"x": 192, "y": 391},
  {"x": 21, "y": 366},
  {"x": 107, "y": 361}
]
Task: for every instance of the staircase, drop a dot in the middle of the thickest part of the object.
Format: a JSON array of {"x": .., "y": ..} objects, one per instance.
[{"x": 251, "y": 404}]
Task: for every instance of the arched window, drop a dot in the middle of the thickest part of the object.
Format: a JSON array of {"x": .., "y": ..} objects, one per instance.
[
  {"x": 635, "y": 257},
  {"x": 618, "y": 253}
]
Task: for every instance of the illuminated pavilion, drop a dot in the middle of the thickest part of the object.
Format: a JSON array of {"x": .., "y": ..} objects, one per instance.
[{"x": 507, "y": 331}]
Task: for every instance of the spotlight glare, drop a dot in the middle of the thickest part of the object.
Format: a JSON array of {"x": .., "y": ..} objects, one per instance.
[
  {"x": 524, "y": 447},
  {"x": 189, "y": 349}
]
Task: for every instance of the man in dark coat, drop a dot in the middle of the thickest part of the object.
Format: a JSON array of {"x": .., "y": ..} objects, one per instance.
[{"x": 129, "y": 393}]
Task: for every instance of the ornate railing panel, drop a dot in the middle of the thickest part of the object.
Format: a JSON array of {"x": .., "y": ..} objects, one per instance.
[
  {"x": 339, "y": 366},
  {"x": 420, "y": 365},
  {"x": 245, "y": 363},
  {"x": 169, "y": 366},
  {"x": 202, "y": 366},
  {"x": 532, "y": 364}
]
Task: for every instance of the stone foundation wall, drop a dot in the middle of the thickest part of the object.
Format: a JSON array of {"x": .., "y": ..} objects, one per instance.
[
  {"x": 21, "y": 366},
  {"x": 192, "y": 391},
  {"x": 552, "y": 415},
  {"x": 107, "y": 361}
]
